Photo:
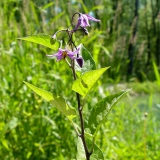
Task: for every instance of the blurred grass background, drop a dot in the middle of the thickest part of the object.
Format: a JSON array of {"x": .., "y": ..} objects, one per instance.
[{"x": 127, "y": 39}]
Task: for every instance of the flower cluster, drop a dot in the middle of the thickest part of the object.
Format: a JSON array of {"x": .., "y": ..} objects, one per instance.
[{"x": 83, "y": 21}]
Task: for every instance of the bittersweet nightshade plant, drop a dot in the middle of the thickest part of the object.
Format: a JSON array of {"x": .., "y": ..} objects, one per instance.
[{"x": 81, "y": 63}]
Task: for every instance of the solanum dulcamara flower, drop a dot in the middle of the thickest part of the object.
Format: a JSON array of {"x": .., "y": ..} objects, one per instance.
[
  {"x": 63, "y": 53},
  {"x": 83, "y": 20}
]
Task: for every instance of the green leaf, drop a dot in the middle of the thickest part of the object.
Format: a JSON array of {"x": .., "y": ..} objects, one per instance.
[
  {"x": 5, "y": 143},
  {"x": 80, "y": 150},
  {"x": 29, "y": 154},
  {"x": 43, "y": 40},
  {"x": 57, "y": 101},
  {"x": 89, "y": 63},
  {"x": 156, "y": 72},
  {"x": 101, "y": 110},
  {"x": 96, "y": 155},
  {"x": 86, "y": 82}
]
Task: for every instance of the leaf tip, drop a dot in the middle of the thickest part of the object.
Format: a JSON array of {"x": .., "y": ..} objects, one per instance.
[{"x": 26, "y": 83}]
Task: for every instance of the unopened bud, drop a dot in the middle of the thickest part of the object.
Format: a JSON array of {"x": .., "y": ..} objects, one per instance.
[{"x": 80, "y": 61}]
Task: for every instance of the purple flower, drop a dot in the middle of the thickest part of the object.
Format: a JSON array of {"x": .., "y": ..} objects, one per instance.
[
  {"x": 83, "y": 20},
  {"x": 62, "y": 53}
]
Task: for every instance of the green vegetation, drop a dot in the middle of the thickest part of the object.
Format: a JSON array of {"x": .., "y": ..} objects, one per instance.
[{"x": 31, "y": 128}]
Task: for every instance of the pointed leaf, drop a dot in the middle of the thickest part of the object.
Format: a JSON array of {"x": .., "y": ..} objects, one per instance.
[
  {"x": 57, "y": 101},
  {"x": 96, "y": 155},
  {"x": 101, "y": 110},
  {"x": 43, "y": 40},
  {"x": 5, "y": 143},
  {"x": 86, "y": 82}
]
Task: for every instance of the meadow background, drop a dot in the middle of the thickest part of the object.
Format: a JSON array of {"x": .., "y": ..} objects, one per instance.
[{"x": 127, "y": 39}]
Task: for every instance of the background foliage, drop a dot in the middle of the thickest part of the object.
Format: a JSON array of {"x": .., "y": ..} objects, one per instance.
[{"x": 127, "y": 39}]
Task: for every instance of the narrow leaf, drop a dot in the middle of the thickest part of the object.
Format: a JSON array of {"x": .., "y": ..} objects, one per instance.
[
  {"x": 57, "y": 101},
  {"x": 43, "y": 40},
  {"x": 101, "y": 110},
  {"x": 155, "y": 67},
  {"x": 86, "y": 82}
]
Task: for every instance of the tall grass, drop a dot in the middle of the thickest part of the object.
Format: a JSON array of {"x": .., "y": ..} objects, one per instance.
[{"x": 157, "y": 74}]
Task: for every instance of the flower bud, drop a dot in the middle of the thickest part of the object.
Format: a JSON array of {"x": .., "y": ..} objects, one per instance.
[{"x": 80, "y": 61}]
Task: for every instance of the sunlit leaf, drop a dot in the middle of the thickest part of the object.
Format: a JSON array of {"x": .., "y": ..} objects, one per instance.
[
  {"x": 156, "y": 72},
  {"x": 29, "y": 154},
  {"x": 47, "y": 5},
  {"x": 96, "y": 155},
  {"x": 56, "y": 101},
  {"x": 101, "y": 110},
  {"x": 43, "y": 40},
  {"x": 86, "y": 82},
  {"x": 5, "y": 144}
]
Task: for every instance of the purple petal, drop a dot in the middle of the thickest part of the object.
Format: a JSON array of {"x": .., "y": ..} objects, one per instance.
[
  {"x": 92, "y": 18},
  {"x": 58, "y": 55},
  {"x": 84, "y": 21},
  {"x": 72, "y": 55}
]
